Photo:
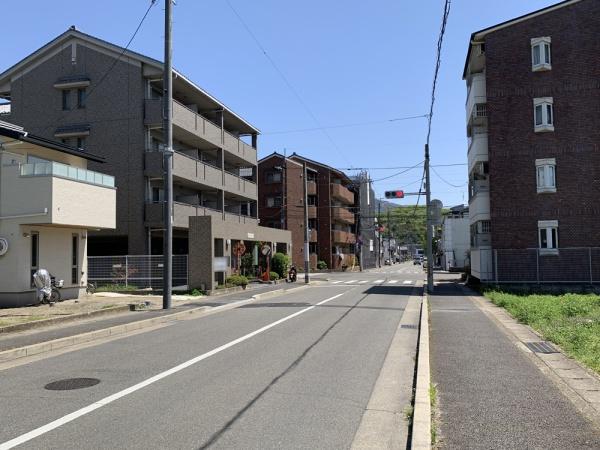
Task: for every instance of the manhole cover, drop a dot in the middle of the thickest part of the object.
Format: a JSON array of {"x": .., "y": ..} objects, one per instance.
[
  {"x": 410, "y": 327},
  {"x": 71, "y": 383},
  {"x": 541, "y": 347}
]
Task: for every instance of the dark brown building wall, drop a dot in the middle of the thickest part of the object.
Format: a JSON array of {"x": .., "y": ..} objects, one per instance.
[
  {"x": 294, "y": 193},
  {"x": 574, "y": 84}
]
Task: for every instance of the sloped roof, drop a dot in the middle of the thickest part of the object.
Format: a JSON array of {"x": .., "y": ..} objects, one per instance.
[{"x": 73, "y": 33}]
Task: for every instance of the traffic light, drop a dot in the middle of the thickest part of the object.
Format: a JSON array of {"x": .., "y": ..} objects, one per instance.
[{"x": 394, "y": 194}]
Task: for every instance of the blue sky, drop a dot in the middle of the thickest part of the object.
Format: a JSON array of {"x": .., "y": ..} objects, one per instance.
[{"x": 363, "y": 62}]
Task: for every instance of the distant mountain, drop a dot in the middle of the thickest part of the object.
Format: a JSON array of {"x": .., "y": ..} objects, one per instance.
[{"x": 386, "y": 205}]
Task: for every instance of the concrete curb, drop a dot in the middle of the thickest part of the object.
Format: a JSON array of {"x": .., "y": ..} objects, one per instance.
[
  {"x": 61, "y": 343},
  {"x": 421, "y": 428},
  {"x": 58, "y": 320}
]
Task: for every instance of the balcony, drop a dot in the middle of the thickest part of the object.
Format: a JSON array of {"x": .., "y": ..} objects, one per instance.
[
  {"x": 182, "y": 212},
  {"x": 476, "y": 105},
  {"x": 342, "y": 194},
  {"x": 343, "y": 237},
  {"x": 479, "y": 206},
  {"x": 191, "y": 122},
  {"x": 312, "y": 212},
  {"x": 191, "y": 169},
  {"x": 313, "y": 236},
  {"x": 478, "y": 149},
  {"x": 57, "y": 194},
  {"x": 342, "y": 215},
  {"x": 311, "y": 188}
]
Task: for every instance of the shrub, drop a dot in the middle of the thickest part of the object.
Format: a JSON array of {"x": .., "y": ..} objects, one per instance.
[
  {"x": 280, "y": 264},
  {"x": 321, "y": 265},
  {"x": 237, "y": 280},
  {"x": 246, "y": 263},
  {"x": 274, "y": 276}
]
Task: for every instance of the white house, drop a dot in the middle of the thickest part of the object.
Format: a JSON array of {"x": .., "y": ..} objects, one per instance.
[
  {"x": 455, "y": 242},
  {"x": 48, "y": 201}
]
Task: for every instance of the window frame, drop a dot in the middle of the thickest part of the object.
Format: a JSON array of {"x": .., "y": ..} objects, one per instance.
[
  {"x": 544, "y": 44},
  {"x": 546, "y": 105},
  {"x": 66, "y": 99},
  {"x": 75, "y": 259},
  {"x": 274, "y": 201},
  {"x": 548, "y": 166},
  {"x": 81, "y": 98},
  {"x": 34, "y": 254},
  {"x": 550, "y": 230}
]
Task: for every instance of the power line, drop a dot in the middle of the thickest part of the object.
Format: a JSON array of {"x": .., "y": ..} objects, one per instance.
[
  {"x": 398, "y": 167},
  {"x": 447, "y": 182},
  {"x": 285, "y": 80},
  {"x": 437, "y": 65},
  {"x": 398, "y": 173},
  {"x": 349, "y": 125}
]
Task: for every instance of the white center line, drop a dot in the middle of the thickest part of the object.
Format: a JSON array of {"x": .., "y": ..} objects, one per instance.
[
  {"x": 336, "y": 282},
  {"x": 407, "y": 282},
  {"x": 378, "y": 281},
  {"x": 350, "y": 282},
  {"x": 392, "y": 281},
  {"x": 111, "y": 398},
  {"x": 362, "y": 282}
]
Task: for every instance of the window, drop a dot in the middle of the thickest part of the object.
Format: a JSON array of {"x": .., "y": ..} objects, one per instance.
[
  {"x": 312, "y": 200},
  {"x": 81, "y": 143},
  {"x": 273, "y": 202},
  {"x": 311, "y": 176},
  {"x": 35, "y": 253},
  {"x": 157, "y": 195},
  {"x": 66, "y": 100},
  {"x": 313, "y": 247},
  {"x": 548, "y": 236},
  {"x": 312, "y": 224},
  {"x": 541, "y": 58},
  {"x": 81, "y": 98},
  {"x": 75, "y": 260},
  {"x": 486, "y": 226},
  {"x": 545, "y": 175},
  {"x": 544, "y": 114},
  {"x": 273, "y": 177}
]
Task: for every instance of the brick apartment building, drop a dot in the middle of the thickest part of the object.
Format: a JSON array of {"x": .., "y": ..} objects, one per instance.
[
  {"x": 104, "y": 99},
  {"x": 332, "y": 205},
  {"x": 533, "y": 123}
]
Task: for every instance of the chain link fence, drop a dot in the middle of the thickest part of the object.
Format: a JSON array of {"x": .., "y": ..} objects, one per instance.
[
  {"x": 566, "y": 265},
  {"x": 135, "y": 271}
]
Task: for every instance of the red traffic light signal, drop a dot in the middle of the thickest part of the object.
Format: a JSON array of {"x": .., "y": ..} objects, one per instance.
[{"x": 394, "y": 194}]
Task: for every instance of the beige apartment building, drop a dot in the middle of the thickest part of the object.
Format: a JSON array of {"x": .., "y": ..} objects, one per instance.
[{"x": 48, "y": 203}]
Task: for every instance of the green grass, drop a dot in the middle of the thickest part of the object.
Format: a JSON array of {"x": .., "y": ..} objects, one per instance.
[
  {"x": 570, "y": 320},
  {"x": 116, "y": 288},
  {"x": 433, "y": 402}
]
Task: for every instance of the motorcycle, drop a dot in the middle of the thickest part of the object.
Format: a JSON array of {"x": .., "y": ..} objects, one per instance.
[
  {"x": 47, "y": 287},
  {"x": 292, "y": 275}
]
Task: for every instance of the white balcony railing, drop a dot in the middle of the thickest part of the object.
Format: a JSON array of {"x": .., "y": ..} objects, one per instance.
[
  {"x": 476, "y": 97},
  {"x": 52, "y": 168}
]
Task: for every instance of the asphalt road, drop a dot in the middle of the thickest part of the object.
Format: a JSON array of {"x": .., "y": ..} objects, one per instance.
[{"x": 288, "y": 372}]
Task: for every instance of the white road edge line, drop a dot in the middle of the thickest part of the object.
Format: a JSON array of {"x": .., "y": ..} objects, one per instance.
[
  {"x": 111, "y": 398},
  {"x": 407, "y": 282},
  {"x": 350, "y": 282},
  {"x": 378, "y": 281},
  {"x": 392, "y": 281}
]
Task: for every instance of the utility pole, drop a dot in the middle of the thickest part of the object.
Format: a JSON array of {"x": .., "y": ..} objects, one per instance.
[
  {"x": 389, "y": 233},
  {"x": 429, "y": 229},
  {"x": 168, "y": 159},
  {"x": 379, "y": 234},
  {"x": 306, "y": 236}
]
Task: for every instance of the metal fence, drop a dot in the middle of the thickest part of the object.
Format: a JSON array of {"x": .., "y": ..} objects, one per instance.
[
  {"x": 137, "y": 271},
  {"x": 579, "y": 265}
]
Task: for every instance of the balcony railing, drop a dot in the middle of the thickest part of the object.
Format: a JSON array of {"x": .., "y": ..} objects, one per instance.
[
  {"x": 56, "y": 169},
  {"x": 342, "y": 193},
  {"x": 343, "y": 215},
  {"x": 343, "y": 237}
]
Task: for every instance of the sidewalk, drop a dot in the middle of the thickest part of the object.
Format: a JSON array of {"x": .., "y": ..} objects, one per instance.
[
  {"x": 490, "y": 393},
  {"x": 14, "y": 340}
]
